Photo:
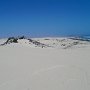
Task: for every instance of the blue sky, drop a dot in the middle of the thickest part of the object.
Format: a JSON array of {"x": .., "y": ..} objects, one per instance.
[{"x": 44, "y": 17}]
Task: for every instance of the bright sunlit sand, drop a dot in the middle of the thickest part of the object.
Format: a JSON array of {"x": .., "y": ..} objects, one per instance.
[{"x": 24, "y": 66}]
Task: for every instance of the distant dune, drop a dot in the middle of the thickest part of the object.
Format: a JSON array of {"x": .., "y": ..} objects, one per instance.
[
  {"x": 60, "y": 43},
  {"x": 44, "y": 63}
]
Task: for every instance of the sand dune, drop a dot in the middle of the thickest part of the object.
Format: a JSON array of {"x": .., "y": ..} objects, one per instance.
[{"x": 28, "y": 66}]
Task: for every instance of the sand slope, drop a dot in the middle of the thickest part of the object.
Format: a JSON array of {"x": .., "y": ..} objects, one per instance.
[{"x": 26, "y": 68}]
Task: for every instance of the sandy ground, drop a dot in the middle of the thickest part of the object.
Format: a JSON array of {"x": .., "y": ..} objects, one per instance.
[{"x": 26, "y": 68}]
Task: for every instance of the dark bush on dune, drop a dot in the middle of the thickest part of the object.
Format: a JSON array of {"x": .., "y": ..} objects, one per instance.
[
  {"x": 30, "y": 40},
  {"x": 22, "y": 37},
  {"x": 15, "y": 40},
  {"x": 46, "y": 39},
  {"x": 12, "y": 40}
]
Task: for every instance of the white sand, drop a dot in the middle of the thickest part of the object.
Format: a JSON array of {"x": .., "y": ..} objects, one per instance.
[{"x": 26, "y": 68}]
